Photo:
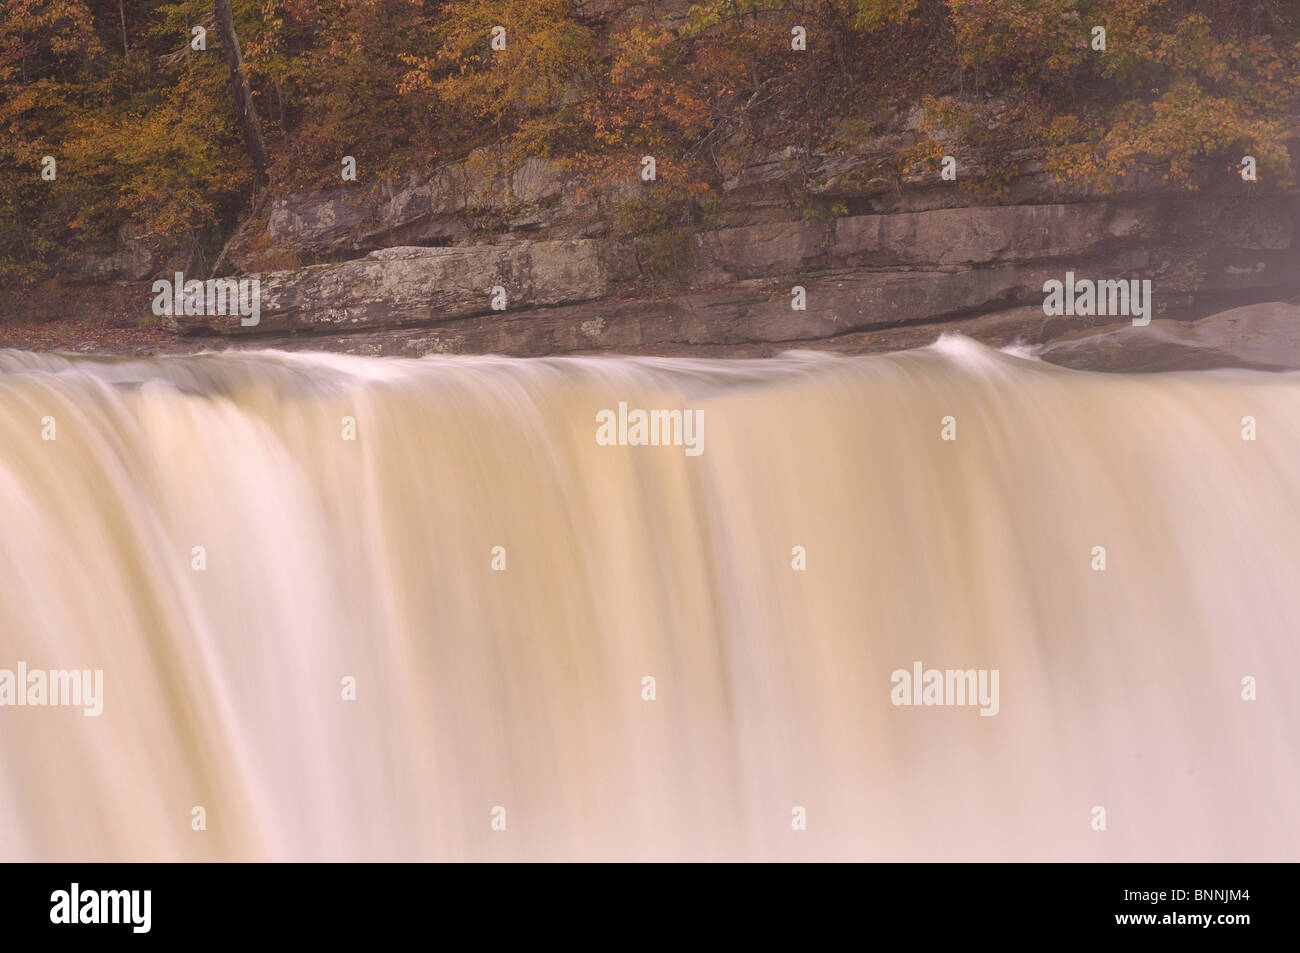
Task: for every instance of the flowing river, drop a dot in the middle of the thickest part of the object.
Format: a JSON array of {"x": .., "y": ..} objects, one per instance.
[{"x": 364, "y": 608}]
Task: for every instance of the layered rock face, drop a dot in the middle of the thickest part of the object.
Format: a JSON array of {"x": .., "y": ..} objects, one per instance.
[
  {"x": 404, "y": 286},
  {"x": 871, "y": 251}
]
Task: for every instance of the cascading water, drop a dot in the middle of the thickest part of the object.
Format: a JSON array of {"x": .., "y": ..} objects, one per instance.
[{"x": 617, "y": 651}]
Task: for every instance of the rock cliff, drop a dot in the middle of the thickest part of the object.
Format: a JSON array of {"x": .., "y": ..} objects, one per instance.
[{"x": 873, "y": 245}]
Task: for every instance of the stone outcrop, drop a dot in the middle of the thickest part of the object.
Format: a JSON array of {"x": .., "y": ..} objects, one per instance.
[
  {"x": 129, "y": 257},
  {"x": 874, "y": 245},
  {"x": 1264, "y": 336},
  {"x": 451, "y": 204},
  {"x": 402, "y": 286},
  {"x": 860, "y": 272}
]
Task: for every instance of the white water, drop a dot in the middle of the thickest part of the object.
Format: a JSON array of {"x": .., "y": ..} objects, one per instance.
[{"x": 371, "y": 558}]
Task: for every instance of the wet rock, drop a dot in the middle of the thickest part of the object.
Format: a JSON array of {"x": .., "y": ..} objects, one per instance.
[{"x": 1264, "y": 336}]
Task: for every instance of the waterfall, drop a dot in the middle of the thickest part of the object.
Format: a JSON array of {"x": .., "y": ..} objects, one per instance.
[{"x": 362, "y": 608}]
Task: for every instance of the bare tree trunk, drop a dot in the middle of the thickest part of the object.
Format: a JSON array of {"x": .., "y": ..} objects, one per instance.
[
  {"x": 237, "y": 233},
  {"x": 244, "y": 110},
  {"x": 121, "y": 12}
]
